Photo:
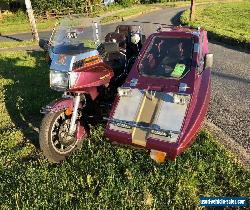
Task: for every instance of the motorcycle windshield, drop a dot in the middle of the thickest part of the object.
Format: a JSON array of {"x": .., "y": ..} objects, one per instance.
[
  {"x": 75, "y": 35},
  {"x": 167, "y": 57}
]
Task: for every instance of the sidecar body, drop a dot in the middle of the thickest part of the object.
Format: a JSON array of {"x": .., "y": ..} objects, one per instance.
[{"x": 164, "y": 100}]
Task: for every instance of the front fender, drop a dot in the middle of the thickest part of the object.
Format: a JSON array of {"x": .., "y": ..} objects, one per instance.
[
  {"x": 58, "y": 104},
  {"x": 61, "y": 104}
]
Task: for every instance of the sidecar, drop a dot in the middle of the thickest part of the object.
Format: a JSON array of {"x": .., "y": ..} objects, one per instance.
[{"x": 163, "y": 102}]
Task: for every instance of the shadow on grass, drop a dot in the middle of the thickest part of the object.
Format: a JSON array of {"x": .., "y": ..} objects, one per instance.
[{"x": 28, "y": 90}]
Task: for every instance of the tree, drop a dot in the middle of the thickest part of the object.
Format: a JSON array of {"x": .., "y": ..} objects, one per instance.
[
  {"x": 32, "y": 20},
  {"x": 192, "y": 10}
]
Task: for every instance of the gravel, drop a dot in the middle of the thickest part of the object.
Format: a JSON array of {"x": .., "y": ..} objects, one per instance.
[{"x": 230, "y": 101}]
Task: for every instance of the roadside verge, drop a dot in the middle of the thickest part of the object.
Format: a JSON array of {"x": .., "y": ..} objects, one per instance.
[{"x": 228, "y": 22}]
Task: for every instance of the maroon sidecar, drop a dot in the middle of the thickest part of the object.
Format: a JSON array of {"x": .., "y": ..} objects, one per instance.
[{"x": 164, "y": 100}]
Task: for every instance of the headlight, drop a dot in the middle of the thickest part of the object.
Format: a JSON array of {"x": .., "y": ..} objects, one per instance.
[{"x": 59, "y": 80}]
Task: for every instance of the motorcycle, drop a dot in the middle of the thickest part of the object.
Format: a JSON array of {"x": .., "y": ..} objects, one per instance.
[{"x": 88, "y": 68}]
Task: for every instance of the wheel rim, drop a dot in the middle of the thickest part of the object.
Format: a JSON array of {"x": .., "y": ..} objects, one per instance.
[{"x": 61, "y": 142}]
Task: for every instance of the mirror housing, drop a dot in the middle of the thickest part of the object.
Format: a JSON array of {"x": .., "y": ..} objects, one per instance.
[
  {"x": 209, "y": 59},
  {"x": 44, "y": 44}
]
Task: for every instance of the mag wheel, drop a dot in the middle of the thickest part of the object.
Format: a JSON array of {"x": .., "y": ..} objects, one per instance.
[{"x": 54, "y": 140}]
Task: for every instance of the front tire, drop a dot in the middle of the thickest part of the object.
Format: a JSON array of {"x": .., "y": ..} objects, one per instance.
[{"x": 54, "y": 141}]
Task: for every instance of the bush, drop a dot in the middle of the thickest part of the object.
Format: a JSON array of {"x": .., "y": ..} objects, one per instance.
[
  {"x": 18, "y": 17},
  {"x": 41, "y": 6},
  {"x": 127, "y": 3}
]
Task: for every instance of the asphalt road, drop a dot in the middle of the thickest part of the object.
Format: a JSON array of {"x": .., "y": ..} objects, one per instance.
[{"x": 230, "y": 101}]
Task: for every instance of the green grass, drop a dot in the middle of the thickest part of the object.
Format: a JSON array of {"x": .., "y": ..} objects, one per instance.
[
  {"x": 101, "y": 175},
  {"x": 228, "y": 22},
  {"x": 19, "y": 23},
  {"x": 12, "y": 44},
  {"x": 135, "y": 10}
]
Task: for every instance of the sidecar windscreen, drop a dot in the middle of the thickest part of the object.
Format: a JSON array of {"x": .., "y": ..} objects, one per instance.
[{"x": 167, "y": 57}]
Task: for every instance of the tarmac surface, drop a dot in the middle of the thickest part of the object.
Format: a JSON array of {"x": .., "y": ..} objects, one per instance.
[{"x": 230, "y": 101}]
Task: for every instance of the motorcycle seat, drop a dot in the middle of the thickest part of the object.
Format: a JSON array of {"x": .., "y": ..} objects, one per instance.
[{"x": 124, "y": 29}]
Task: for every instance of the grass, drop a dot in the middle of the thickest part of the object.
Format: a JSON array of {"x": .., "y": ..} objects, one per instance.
[
  {"x": 135, "y": 10},
  {"x": 17, "y": 23},
  {"x": 12, "y": 44},
  {"x": 227, "y": 22},
  {"x": 101, "y": 175}
]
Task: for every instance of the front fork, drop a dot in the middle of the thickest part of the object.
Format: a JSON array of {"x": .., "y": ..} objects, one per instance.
[{"x": 77, "y": 100}]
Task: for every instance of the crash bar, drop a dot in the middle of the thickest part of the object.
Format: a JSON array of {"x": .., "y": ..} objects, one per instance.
[{"x": 139, "y": 125}]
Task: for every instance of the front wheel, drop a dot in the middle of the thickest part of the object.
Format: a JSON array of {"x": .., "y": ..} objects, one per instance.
[{"x": 54, "y": 140}]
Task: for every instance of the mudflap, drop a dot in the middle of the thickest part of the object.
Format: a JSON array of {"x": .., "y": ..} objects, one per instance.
[{"x": 63, "y": 104}]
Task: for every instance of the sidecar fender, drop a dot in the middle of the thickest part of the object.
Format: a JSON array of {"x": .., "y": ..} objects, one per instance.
[{"x": 58, "y": 104}]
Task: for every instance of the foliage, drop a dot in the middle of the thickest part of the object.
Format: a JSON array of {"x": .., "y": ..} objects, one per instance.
[
  {"x": 127, "y": 3},
  {"x": 227, "y": 22},
  {"x": 101, "y": 175},
  {"x": 18, "y": 17},
  {"x": 41, "y": 6}
]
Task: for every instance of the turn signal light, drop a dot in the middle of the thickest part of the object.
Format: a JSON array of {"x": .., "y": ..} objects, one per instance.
[
  {"x": 92, "y": 60},
  {"x": 68, "y": 112}
]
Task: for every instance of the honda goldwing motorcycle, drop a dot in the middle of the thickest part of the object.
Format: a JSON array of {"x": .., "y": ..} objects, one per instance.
[{"x": 88, "y": 71}]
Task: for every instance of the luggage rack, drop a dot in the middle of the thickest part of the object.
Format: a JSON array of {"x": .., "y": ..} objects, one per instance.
[{"x": 154, "y": 129}]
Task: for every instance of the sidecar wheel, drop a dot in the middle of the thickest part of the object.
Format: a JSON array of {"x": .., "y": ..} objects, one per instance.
[{"x": 55, "y": 146}]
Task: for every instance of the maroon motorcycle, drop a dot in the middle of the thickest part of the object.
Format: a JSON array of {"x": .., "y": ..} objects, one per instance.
[
  {"x": 88, "y": 69},
  {"x": 158, "y": 105}
]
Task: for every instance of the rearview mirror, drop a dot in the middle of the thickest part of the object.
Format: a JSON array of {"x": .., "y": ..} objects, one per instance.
[
  {"x": 44, "y": 44},
  {"x": 209, "y": 58}
]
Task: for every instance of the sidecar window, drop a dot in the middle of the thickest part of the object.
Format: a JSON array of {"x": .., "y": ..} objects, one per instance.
[{"x": 167, "y": 57}]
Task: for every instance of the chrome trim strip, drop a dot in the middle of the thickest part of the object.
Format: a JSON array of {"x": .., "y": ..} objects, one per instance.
[{"x": 141, "y": 125}]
